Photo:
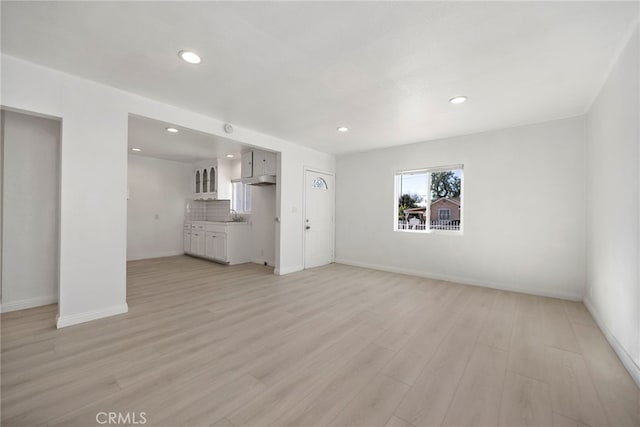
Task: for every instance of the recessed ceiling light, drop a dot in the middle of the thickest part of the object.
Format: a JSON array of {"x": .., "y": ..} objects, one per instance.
[
  {"x": 172, "y": 130},
  {"x": 136, "y": 149},
  {"x": 190, "y": 57},
  {"x": 343, "y": 129},
  {"x": 231, "y": 156},
  {"x": 458, "y": 99}
]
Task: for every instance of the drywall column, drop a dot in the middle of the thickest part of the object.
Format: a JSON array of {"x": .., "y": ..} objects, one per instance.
[
  {"x": 31, "y": 211},
  {"x": 1, "y": 197},
  {"x": 93, "y": 211}
]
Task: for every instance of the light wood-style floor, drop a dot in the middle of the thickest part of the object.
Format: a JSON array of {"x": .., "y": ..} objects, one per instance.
[{"x": 206, "y": 345}]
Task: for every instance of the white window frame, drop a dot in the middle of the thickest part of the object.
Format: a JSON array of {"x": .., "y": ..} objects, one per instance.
[
  {"x": 428, "y": 171},
  {"x": 245, "y": 187}
]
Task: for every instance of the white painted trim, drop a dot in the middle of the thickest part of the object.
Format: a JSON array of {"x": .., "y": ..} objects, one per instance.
[
  {"x": 28, "y": 303},
  {"x": 461, "y": 280},
  {"x": 74, "y": 319},
  {"x": 155, "y": 255},
  {"x": 625, "y": 358},
  {"x": 287, "y": 270}
]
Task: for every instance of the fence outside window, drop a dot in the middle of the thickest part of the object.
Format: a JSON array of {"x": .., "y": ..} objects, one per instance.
[{"x": 453, "y": 225}]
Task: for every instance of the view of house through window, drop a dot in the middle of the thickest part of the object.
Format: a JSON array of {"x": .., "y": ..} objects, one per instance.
[
  {"x": 240, "y": 197},
  {"x": 429, "y": 199}
]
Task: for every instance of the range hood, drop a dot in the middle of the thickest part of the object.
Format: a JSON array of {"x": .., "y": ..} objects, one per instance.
[{"x": 260, "y": 180}]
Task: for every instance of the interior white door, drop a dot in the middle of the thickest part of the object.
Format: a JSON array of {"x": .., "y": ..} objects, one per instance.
[{"x": 318, "y": 225}]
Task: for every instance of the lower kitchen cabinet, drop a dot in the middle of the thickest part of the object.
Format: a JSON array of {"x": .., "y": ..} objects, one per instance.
[
  {"x": 224, "y": 242},
  {"x": 216, "y": 246},
  {"x": 186, "y": 239},
  {"x": 197, "y": 242}
]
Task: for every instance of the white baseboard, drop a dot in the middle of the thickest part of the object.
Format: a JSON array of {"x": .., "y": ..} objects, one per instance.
[
  {"x": 155, "y": 255},
  {"x": 262, "y": 261},
  {"x": 74, "y": 319},
  {"x": 287, "y": 270},
  {"x": 462, "y": 280},
  {"x": 28, "y": 303},
  {"x": 627, "y": 361}
]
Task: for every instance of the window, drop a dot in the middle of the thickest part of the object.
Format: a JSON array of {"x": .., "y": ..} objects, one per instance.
[
  {"x": 429, "y": 200},
  {"x": 240, "y": 197},
  {"x": 319, "y": 183},
  {"x": 444, "y": 214}
]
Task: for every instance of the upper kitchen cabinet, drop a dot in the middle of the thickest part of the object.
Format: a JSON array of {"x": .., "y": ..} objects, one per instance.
[
  {"x": 212, "y": 180},
  {"x": 264, "y": 163},
  {"x": 247, "y": 164},
  {"x": 258, "y": 163},
  {"x": 205, "y": 181},
  {"x": 198, "y": 180}
]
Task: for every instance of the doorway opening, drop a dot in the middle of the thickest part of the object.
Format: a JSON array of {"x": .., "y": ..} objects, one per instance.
[
  {"x": 319, "y": 213},
  {"x": 30, "y": 210},
  {"x": 199, "y": 195}
]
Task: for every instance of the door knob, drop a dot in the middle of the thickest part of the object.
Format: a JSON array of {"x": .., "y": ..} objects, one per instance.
[{"x": 308, "y": 227}]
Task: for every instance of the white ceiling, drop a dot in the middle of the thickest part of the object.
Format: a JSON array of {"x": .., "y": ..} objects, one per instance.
[
  {"x": 297, "y": 70},
  {"x": 186, "y": 146}
]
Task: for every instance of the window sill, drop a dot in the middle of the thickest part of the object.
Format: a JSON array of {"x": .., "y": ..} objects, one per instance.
[{"x": 443, "y": 232}]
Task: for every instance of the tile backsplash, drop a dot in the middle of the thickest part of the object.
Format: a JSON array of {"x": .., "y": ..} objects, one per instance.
[{"x": 207, "y": 210}]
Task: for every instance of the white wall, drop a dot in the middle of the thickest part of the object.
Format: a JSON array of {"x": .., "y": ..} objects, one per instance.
[
  {"x": 524, "y": 225},
  {"x": 30, "y": 216},
  {"x": 236, "y": 169},
  {"x": 263, "y": 214},
  {"x": 1, "y": 196},
  {"x": 613, "y": 223},
  {"x": 94, "y": 145},
  {"x": 158, "y": 190}
]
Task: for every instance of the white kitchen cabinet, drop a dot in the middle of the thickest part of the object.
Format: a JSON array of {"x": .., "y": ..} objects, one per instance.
[
  {"x": 197, "y": 180},
  {"x": 224, "y": 242},
  {"x": 186, "y": 239},
  {"x": 246, "y": 165},
  {"x": 264, "y": 163},
  {"x": 205, "y": 180},
  {"x": 197, "y": 242},
  {"x": 212, "y": 180},
  {"x": 258, "y": 163},
  {"x": 216, "y": 246}
]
